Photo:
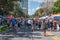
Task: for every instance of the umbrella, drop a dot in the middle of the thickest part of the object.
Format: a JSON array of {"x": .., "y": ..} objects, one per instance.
[
  {"x": 44, "y": 17},
  {"x": 56, "y": 16}
]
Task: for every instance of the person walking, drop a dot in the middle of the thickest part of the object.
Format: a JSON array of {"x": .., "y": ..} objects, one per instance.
[
  {"x": 45, "y": 26},
  {"x": 55, "y": 25},
  {"x": 39, "y": 24},
  {"x": 59, "y": 24},
  {"x": 51, "y": 25},
  {"x": 14, "y": 25}
]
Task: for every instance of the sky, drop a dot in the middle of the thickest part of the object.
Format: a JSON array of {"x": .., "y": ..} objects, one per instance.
[{"x": 33, "y": 5}]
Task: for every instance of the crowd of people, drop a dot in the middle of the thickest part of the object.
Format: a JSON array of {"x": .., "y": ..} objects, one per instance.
[{"x": 32, "y": 24}]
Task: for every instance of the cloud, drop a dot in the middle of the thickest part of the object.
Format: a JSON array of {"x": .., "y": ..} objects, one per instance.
[
  {"x": 31, "y": 11},
  {"x": 39, "y": 0},
  {"x": 37, "y": 8},
  {"x": 43, "y": 0}
]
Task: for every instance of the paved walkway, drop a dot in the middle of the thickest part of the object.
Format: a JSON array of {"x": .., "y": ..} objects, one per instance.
[{"x": 36, "y": 35}]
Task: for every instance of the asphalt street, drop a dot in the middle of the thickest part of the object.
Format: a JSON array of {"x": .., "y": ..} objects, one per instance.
[{"x": 27, "y": 34}]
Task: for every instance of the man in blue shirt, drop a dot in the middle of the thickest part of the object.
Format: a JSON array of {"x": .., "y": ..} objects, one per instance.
[{"x": 14, "y": 23}]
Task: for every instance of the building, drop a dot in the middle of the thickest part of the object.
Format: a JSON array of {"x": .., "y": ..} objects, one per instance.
[
  {"x": 47, "y": 5},
  {"x": 24, "y": 6}
]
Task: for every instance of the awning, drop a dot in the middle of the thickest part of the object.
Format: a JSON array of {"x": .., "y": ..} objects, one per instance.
[{"x": 56, "y": 17}]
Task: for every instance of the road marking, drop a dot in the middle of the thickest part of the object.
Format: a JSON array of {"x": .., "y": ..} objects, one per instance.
[
  {"x": 6, "y": 35},
  {"x": 53, "y": 36},
  {"x": 28, "y": 32}
]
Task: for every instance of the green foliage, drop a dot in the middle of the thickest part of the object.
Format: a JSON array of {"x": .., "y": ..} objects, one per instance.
[
  {"x": 3, "y": 28},
  {"x": 27, "y": 16},
  {"x": 36, "y": 14},
  {"x": 56, "y": 7},
  {"x": 8, "y": 6}
]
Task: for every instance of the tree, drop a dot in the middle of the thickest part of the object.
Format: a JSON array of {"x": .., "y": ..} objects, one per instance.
[
  {"x": 12, "y": 7},
  {"x": 56, "y": 7},
  {"x": 38, "y": 12},
  {"x": 7, "y": 5}
]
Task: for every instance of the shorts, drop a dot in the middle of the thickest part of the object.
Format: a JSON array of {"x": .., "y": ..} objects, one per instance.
[
  {"x": 45, "y": 27},
  {"x": 19, "y": 24},
  {"x": 13, "y": 25},
  {"x": 29, "y": 24},
  {"x": 39, "y": 26}
]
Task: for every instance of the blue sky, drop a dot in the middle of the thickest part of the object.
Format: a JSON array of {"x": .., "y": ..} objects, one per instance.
[{"x": 33, "y": 5}]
